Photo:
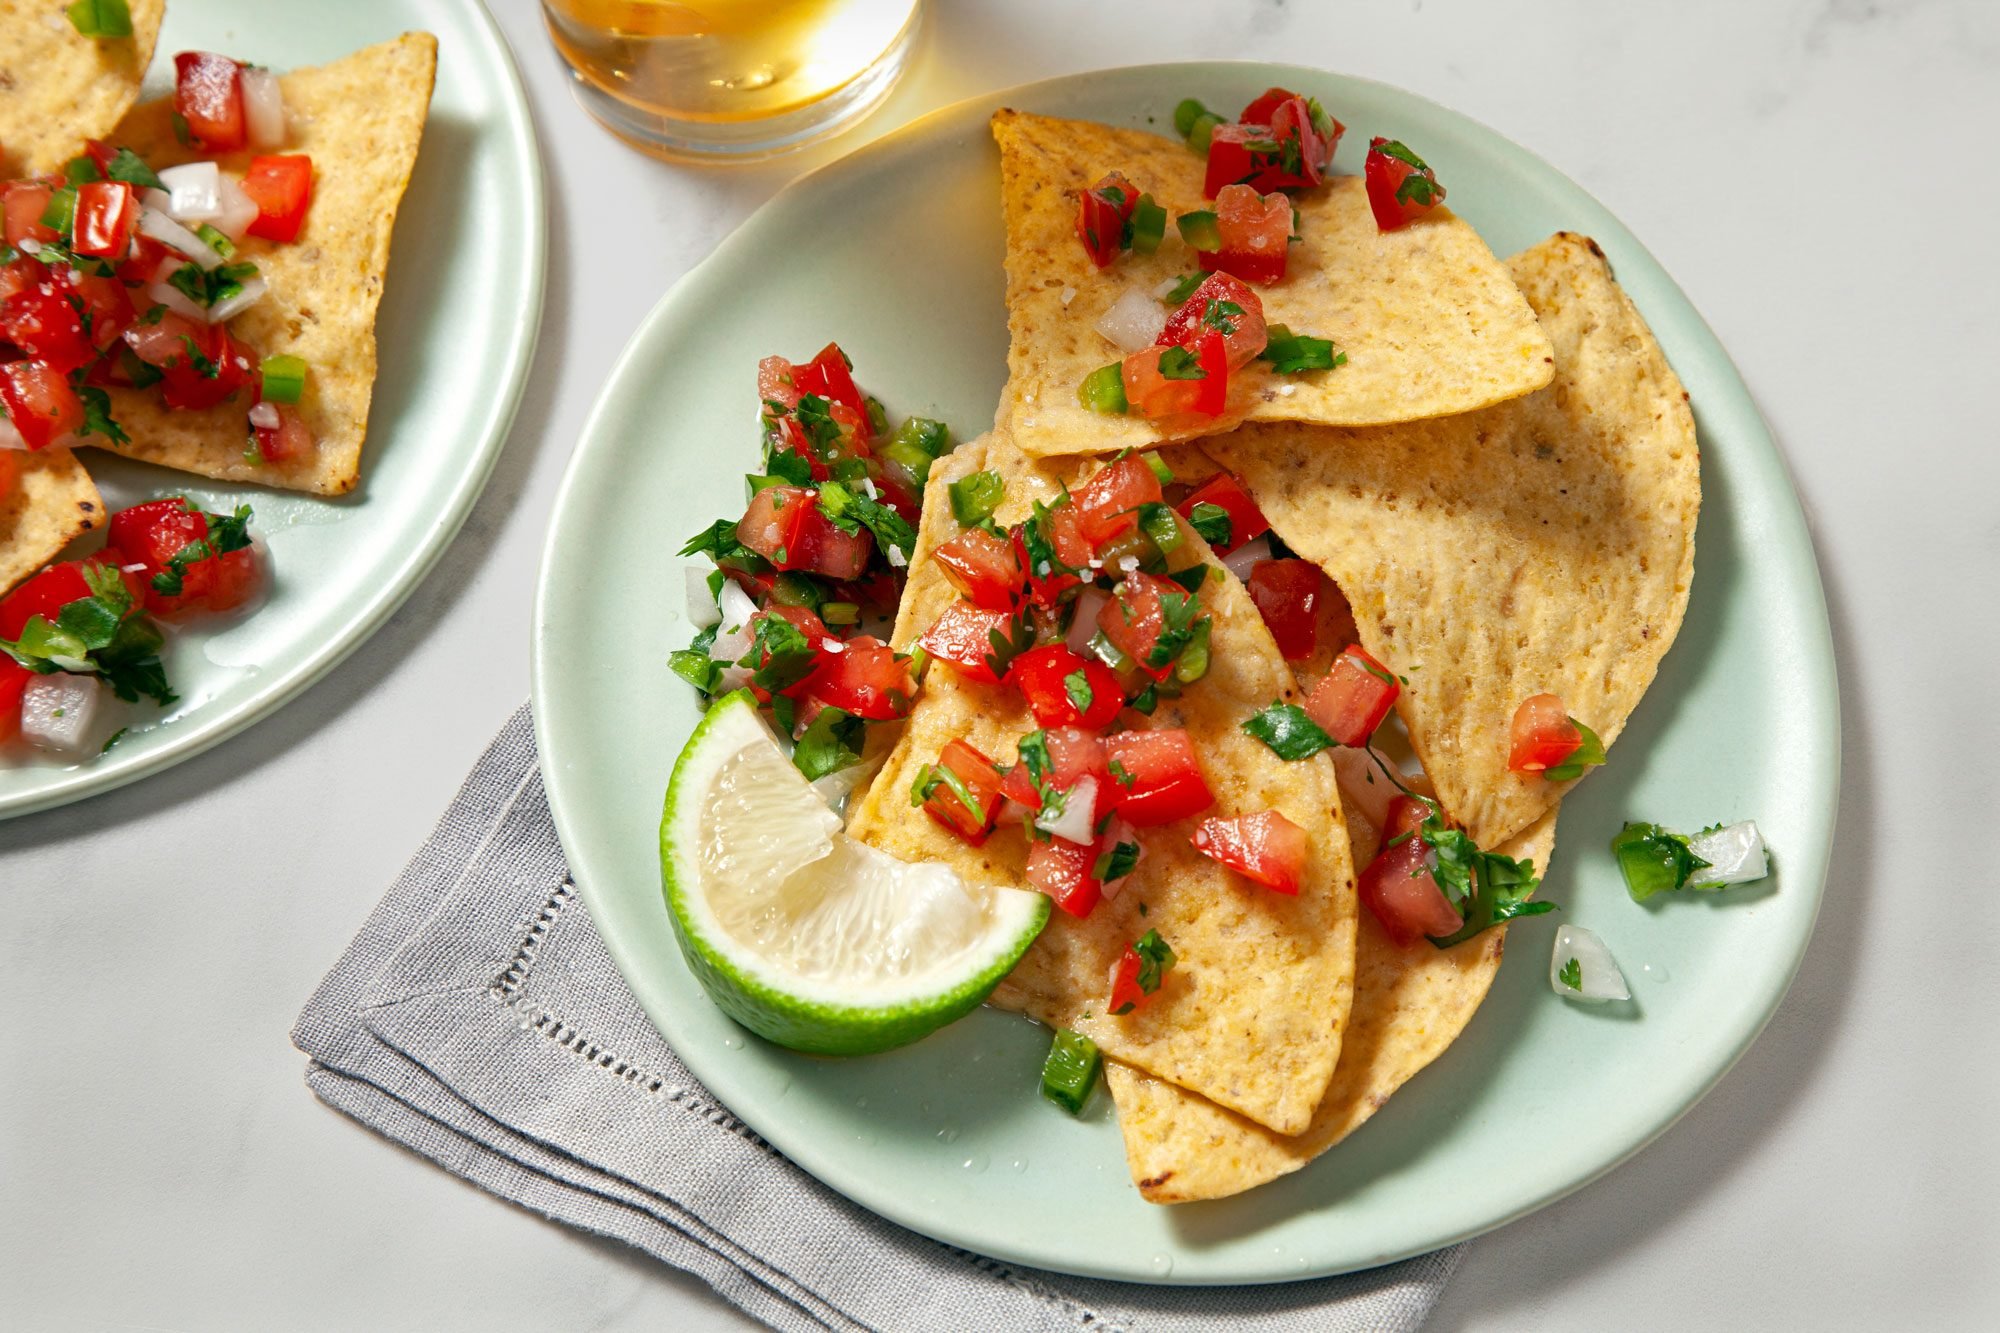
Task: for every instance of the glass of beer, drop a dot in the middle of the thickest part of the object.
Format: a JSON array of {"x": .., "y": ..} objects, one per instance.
[{"x": 731, "y": 80}]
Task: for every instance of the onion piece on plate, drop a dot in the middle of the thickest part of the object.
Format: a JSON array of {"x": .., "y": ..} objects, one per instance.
[
  {"x": 1072, "y": 823},
  {"x": 1735, "y": 855},
  {"x": 194, "y": 191},
  {"x": 59, "y": 713},
  {"x": 1596, "y": 971},
  {"x": 154, "y": 223},
  {"x": 263, "y": 108},
  {"x": 1247, "y": 557}
]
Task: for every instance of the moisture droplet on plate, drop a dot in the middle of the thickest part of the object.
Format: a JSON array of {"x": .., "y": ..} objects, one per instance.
[
  {"x": 861, "y": 1103},
  {"x": 733, "y": 1042},
  {"x": 1162, "y": 1264},
  {"x": 949, "y": 1134},
  {"x": 1019, "y": 1163},
  {"x": 1655, "y": 972},
  {"x": 976, "y": 1163}
]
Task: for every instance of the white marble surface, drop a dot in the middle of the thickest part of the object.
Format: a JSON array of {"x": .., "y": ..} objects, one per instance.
[{"x": 1816, "y": 174}]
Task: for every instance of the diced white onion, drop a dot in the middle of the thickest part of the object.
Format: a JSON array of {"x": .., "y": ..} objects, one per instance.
[
  {"x": 1073, "y": 822},
  {"x": 1010, "y": 814},
  {"x": 239, "y": 210},
  {"x": 1362, "y": 784},
  {"x": 734, "y": 678},
  {"x": 1133, "y": 321},
  {"x": 1246, "y": 557},
  {"x": 59, "y": 713},
  {"x": 1599, "y": 977},
  {"x": 701, "y": 608},
  {"x": 1068, "y": 295},
  {"x": 734, "y": 637},
  {"x": 154, "y": 223},
  {"x": 194, "y": 191},
  {"x": 1735, "y": 855},
  {"x": 176, "y": 300},
  {"x": 264, "y": 416},
  {"x": 1165, "y": 289},
  {"x": 736, "y": 606},
  {"x": 263, "y": 108},
  {"x": 229, "y": 307},
  {"x": 9, "y": 437},
  {"x": 30, "y": 246},
  {"x": 895, "y": 557},
  {"x": 1083, "y": 624}
]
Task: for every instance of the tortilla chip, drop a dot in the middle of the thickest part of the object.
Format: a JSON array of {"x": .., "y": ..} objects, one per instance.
[
  {"x": 1428, "y": 319},
  {"x": 1253, "y": 1013},
  {"x": 1541, "y": 545},
  {"x": 360, "y": 120},
  {"x": 1409, "y": 1005},
  {"x": 58, "y": 88},
  {"x": 51, "y": 503}
]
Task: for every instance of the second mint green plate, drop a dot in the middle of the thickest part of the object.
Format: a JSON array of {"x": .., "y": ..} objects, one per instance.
[{"x": 896, "y": 252}]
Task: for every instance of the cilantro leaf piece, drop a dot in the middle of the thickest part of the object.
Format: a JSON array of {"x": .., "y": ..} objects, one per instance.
[
  {"x": 1116, "y": 863},
  {"x": 1156, "y": 959},
  {"x": 1395, "y": 148},
  {"x": 1161, "y": 526},
  {"x": 1571, "y": 974},
  {"x": 788, "y": 467},
  {"x": 1185, "y": 287},
  {"x": 1018, "y": 638},
  {"x": 1077, "y": 686},
  {"x": 1288, "y": 731},
  {"x": 830, "y": 743},
  {"x": 129, "y": 167},
  {"x": 780, "y": 655},
  {"x": 1192, "y": 577},
  {"x": 97, "y": 418},
  {"x": 1211, "y": 521},
  {"x": 1587, "y": 755},
  {"x": 1180, "y": 363},
  {"x": 1487, "y": 888}
]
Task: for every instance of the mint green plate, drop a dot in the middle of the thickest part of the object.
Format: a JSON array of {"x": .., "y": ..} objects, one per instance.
[
  {"x": 896, "y": 252},
  {"x": 456, "y": 329}
]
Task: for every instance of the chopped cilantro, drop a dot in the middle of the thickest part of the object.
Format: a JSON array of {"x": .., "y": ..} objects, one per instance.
[
  {"x": 1156, "y": 959},
  {"x": 780, "y": 654},
  {"x": 97, "y": 418},
  {"x": 851, "y": 511},
  {"x": 129, "y": 167},
  {"x": 1586, "y": 755},
  {"x": 1488, "y": 889},
  {"x": 1180, "y": 363},
  {"x": 1212, "y": 522},
  {"x": 1184, "y": 288},
  {"x": 831, "y": 742},
  {"x": 1116, "y": 863},
  {"x": 1288, "y": 731},
  {"x": 1077, "y": 686},
  {"x": 1571, "y": 974}
]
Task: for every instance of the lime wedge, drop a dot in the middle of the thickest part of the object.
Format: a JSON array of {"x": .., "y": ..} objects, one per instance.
[{"x": 803, "y": 936}]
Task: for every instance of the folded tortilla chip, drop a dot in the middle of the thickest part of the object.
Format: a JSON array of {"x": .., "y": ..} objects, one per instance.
[
  {"x": 1428, "y": 318},
  {"x": 360, "y": 120},
  {"x": 1409, "y": 1005},
  {"x": 1542, "y": 545},
  {"x": 50, "y": 503},
  {"x": 58, "y": 87},
  {"x": 1253, "y": 1012}
]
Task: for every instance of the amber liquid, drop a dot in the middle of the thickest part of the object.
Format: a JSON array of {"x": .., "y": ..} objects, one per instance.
[{"x": 724, "y": 61}]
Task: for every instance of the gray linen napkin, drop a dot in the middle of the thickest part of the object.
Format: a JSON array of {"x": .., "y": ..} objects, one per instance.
[{"x": 478, "y": 1020}]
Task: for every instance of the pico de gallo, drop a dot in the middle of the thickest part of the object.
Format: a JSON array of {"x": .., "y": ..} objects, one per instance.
[
  {"x": 803, "y": 581},
  {"x": 115, "y": 275},
  {"x": 84, "y": 632}
]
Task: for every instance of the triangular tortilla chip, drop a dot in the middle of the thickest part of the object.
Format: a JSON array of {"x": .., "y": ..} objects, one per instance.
[
  {"x": 1428, "y": 319},
  {"x": 360, "y": 120},
  {"x": 1409, "y": 1005},
  {"x": 1252, "y": 1014},
  {"x": 58, "y": 88},
  {"x": 50, "y": 503},
  {"x": 1541, "y": 545}
]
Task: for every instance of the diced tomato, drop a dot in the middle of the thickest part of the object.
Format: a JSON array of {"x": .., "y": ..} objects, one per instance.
[
  {"x": 984, "y": 568},
  {"x": 106, "y": 213},
  {"x": 1287, "y": 152},
  {"x": 1155, "y": 776},
  {"x": 147, "y": 255},
  {"x": 1062, "y": 869},
  {"x": 1260, "y": 108},
  {"x": 224, "y": 367},
  {"x": 1265, "y": 847},
  {"x": 107, "y": 306},
  {"x": 981, "y": 780},
  {"x": 963, "y": 637},
  {"x": 776, "y": 382},
  {"x": 1243, "y": 330},
  {"x": 1354, "y": 698},
  {"x": 1135, "y": 617},
  {"x": 1404, "y": 897},
  {"x": 1543, "y": 735},
  {"x": 774, "y": 522},
  {"x": 40, "y": 320},
  {"x": 25, "y": 202},
  {"x": 9, "y": 468},
  {"x": 1101, "y": 212},
  {"x": 290, "y": 438},
  {"x": 1044, "y": 676},
  {"x": 1063, "y": 529},
  {"x": 864, "y": 677},
  {"x": 1401, "y": 186},
  {"x": 1127, "y": 995},
  {"x": 281, "y": 186},
  {"x": 101, "y": 154},
  {"x": 1256, "y": 234},
  {"x": 14, "y": 680},
  {"x": 1406, "y": 814},
  {"x": 825, "y": 549},
  {"x": 44, "y": 595},
  {"x": 152, "y": 534},
  {"x": 1198, "y": 386},
  {"x": 1246, "y": 520},
  {"x": 1074, "y": 754},
  {"x": 1107, "y": 504},
  {"x": 830, "y": 376},
  {"x": 208, "y": 94},
  {"x": 1287, "y": 596},
  {"x": 40, "y": 403}
]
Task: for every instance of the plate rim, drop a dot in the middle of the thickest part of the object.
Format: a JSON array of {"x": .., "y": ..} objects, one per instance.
[
  {"x": 204, "y": 729},
  {"x": 1805, "y": 867}
]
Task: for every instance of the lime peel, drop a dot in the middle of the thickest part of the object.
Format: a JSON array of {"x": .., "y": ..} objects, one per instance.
[{"x": 809, "y": 939}]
